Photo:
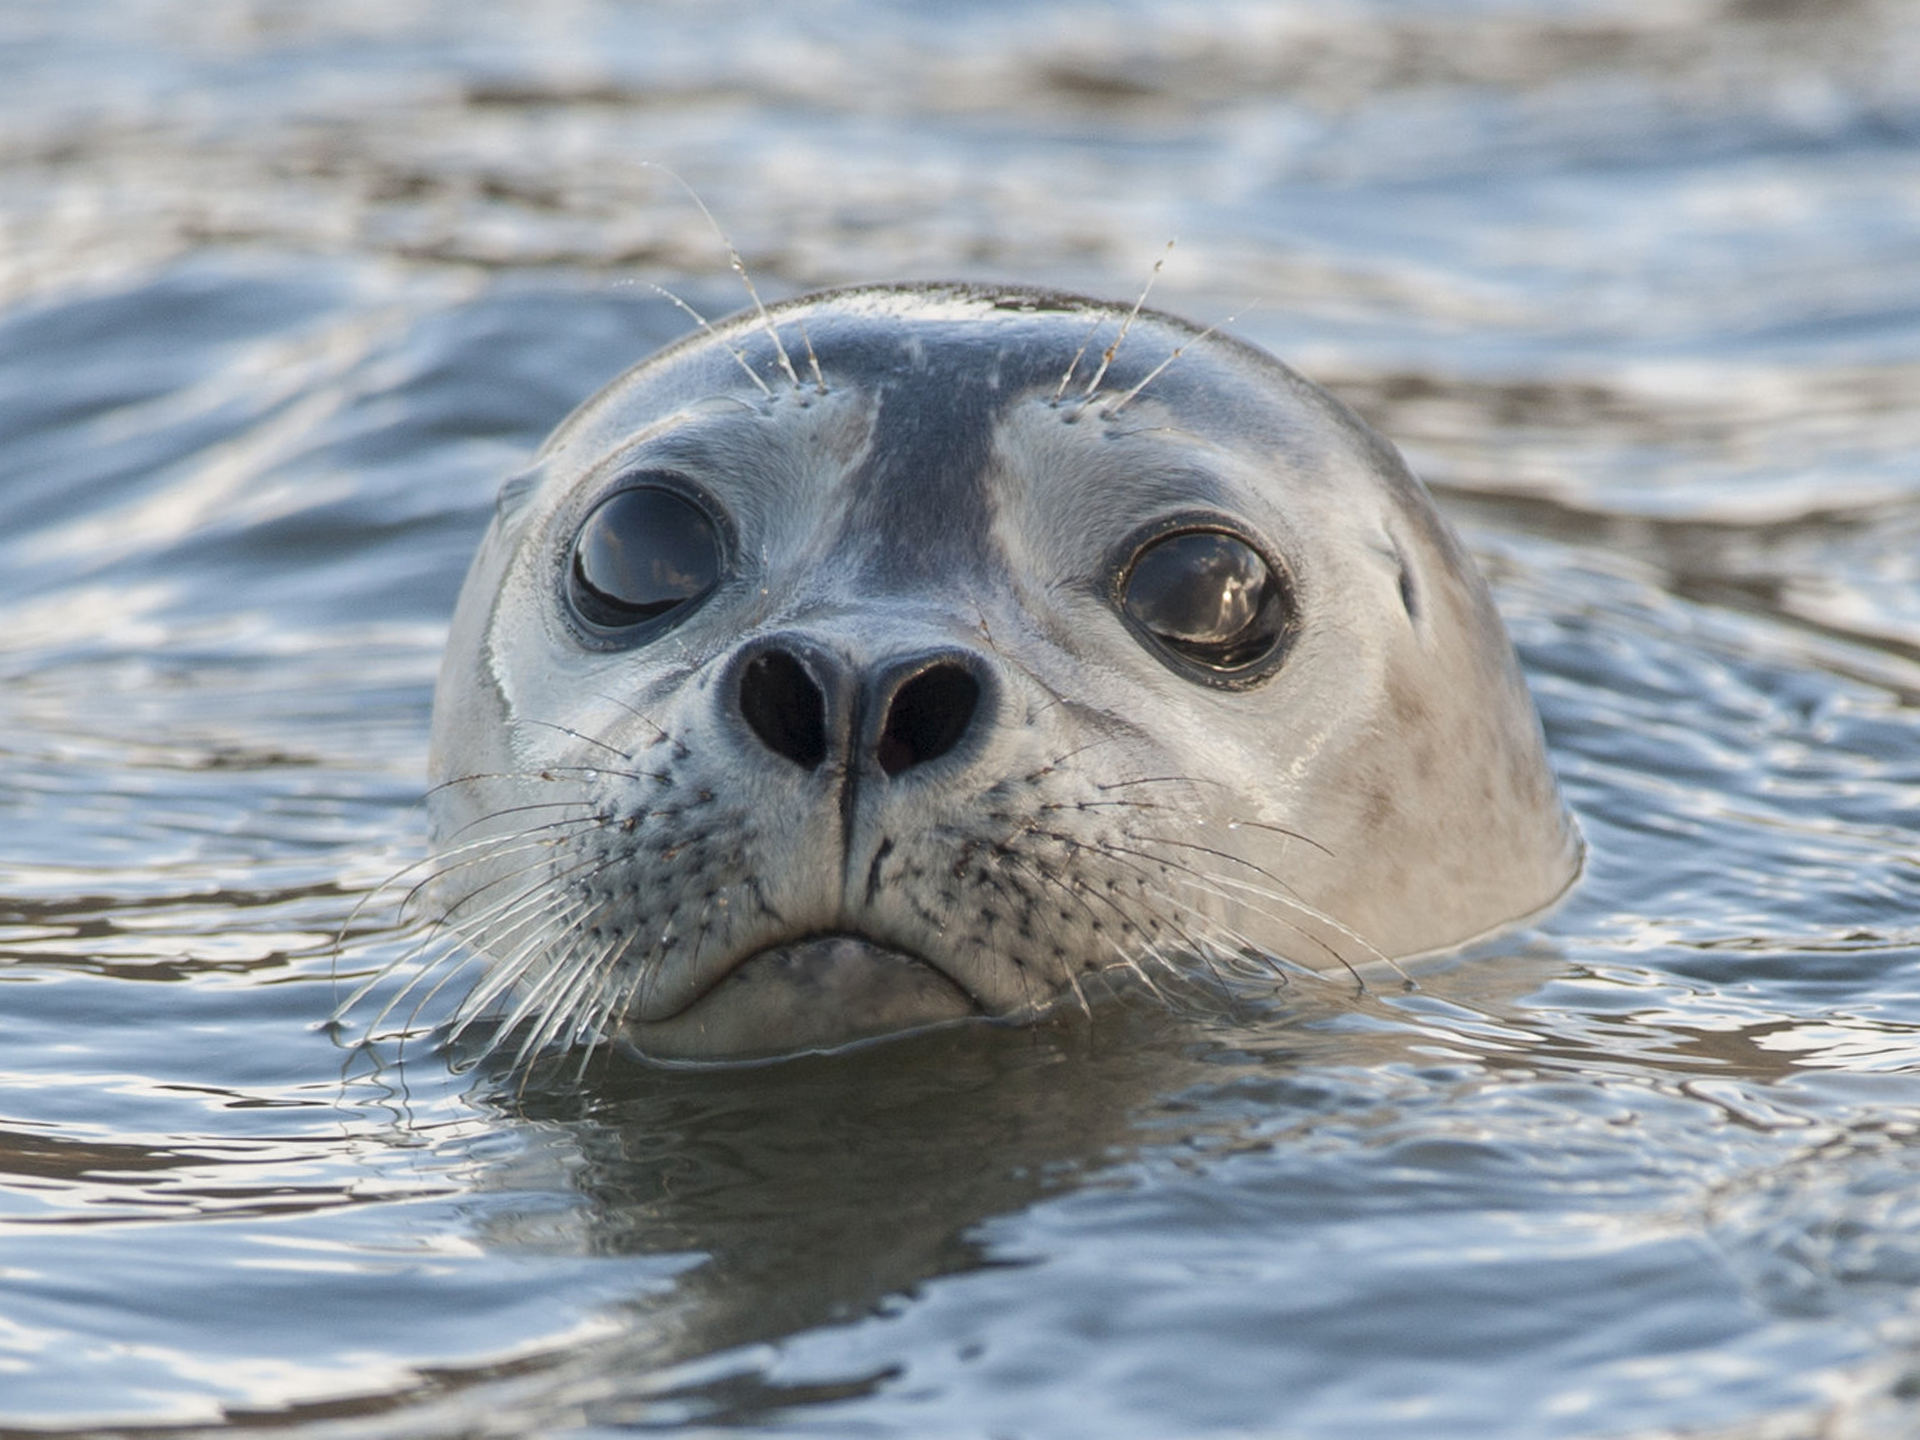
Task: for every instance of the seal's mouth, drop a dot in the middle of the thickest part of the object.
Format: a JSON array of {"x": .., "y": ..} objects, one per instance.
[{"x": 816, "y": 994}]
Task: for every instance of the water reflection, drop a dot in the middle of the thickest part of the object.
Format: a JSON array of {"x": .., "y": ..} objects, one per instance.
[
  {"x": 781, "y": 1199},
  {"x": 1632, "y": 282},
  {"x": 841, "y": 1195}
]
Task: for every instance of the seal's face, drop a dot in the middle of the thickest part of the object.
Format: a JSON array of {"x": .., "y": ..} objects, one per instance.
[{"x": 983, "y": 664}]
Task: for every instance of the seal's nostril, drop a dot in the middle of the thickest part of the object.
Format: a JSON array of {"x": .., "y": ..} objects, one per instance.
[
  {"x": 785, "y": 707},
  {"x": 927, "y": 717}
]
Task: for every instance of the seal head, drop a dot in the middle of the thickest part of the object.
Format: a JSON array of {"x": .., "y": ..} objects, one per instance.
[{"x": 910, "y": 654}]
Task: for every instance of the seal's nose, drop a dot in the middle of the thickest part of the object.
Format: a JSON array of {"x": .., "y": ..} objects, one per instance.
[
  {"x": 785, "y": 707},
  {"x": 926, "y": 714},
  {"x": 904, "y": 713}
]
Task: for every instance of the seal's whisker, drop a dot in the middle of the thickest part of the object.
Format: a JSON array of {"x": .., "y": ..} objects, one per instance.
[
  {"x": 1290, "y": 914},
  {"x": 1158, "y": 370},
  {"x": 1232, "y": 822},
  {"x": 660, "y": 732},
  {"x": 546, "y": 775},
  {"x": 621, "y": 998},
  {"x": 1131, "y": 964},
  {"x": 1078, "y": 894},
  {"x": 549, "y": 833},
  {"x": 1059, "y": 762},
  {"x": 1129, "y": 922},
  {"x": 553, "y": 979},
  {"x": 560, "y": 1016},
  {"x": 813, "y": 359},
  {"x": 1143, "y": 807},
  {"x": 1374, "y": 954},
  {"x": 651, "y": 977},
  {"x": 1106, "y": 357},
  {"x": 594, "y": 817},
  {"x": 505, "y": 916},
  {"x": 625, "y": 995},
  {"x": 491, "y": 851},
  {"x": 425, "y": 963},
  {"x": 455, "y": 935},
  {"x": 1278, "y": 966},
  {"x": 1199, "y": 879},
  {"x": 1080, "y": 996},
  {"x": 413, "y": 955},
  {"x": 595, "y": 1012},
  {"x": 1202, "y": 945},
  {"x": 739, "y": 356},
  {"x": 540, "y": 910},
  {"x": 1291, "y": 897},
  {"x": 597, "y": 1019},
  {"x": 384, "y": 972},
  {"x": 577, "y": 1017},
  {"x": 1153, "y": 780},
  {"x": 541, "y": 1001},
  {"x": 1197, "y": 945},
  {"x": 1212, "y": 853},
  {"x": 1060, "y": 390},
  {"x": 475, "y": 851},
  {"x": 739, "y": 267},
  {"x": 360, "y": 907},
  {"x": 568, "y": 730},
  {"x": 448, "y": 974},
  {"x": 1240, "y": 822},
  {"x": 1203, "y": 883},
  {"x": 535, "y": 912},
  {"x": 498, "y": 777}
]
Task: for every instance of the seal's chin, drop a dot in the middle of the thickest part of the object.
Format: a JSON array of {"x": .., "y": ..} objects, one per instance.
[{"x": 812, "y": 995}]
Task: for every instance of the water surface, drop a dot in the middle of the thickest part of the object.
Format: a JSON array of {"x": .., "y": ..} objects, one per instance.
[{"x": 286, "y": 290}]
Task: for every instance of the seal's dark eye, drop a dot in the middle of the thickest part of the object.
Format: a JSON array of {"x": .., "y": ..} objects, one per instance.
[
  {"x": 641, "y": 555},
  {"x": 1209, "y": 599}
]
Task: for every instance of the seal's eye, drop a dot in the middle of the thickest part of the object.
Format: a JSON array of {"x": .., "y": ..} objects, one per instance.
[
  {"x": 641, "y": 555},
  {"x": 1208, "y": 599}
]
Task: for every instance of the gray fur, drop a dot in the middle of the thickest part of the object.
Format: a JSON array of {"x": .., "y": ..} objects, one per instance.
[{"x": 675, "y": 884}]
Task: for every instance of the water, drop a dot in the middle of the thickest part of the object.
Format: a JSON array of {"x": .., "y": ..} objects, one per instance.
[{"x": 285, "y": 290}]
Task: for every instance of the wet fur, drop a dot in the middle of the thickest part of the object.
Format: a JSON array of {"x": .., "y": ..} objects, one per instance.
[{"x": 608, "y": 851}]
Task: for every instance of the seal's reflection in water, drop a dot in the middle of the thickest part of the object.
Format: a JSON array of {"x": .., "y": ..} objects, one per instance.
[
  {"x": 811, "y": 1191},
  {"x": 820, "y": 1190},
  {"x": 767, "y": 1217}
]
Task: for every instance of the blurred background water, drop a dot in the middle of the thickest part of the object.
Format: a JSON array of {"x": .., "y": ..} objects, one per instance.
[{"x": 285, "y": 290}]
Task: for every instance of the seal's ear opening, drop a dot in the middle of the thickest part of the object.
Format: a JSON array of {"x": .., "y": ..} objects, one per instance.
[
  {"x": 1409, "y": 591},
  {"x": 514, "y": 494}
]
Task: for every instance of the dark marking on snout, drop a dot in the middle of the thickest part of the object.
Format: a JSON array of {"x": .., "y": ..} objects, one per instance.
[
  {"x": 921, "y": 497},
  {"x": 880, "y": 854}
]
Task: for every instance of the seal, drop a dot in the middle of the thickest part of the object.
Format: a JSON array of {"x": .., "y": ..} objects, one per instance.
[{"x": 898, "y": 656}]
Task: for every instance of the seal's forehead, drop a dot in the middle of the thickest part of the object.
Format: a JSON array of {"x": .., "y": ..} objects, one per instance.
[
  {"x": 1006, "y": 339},
  {"x": 964, "y": 350},
  {"x": 934, "y": 378}
]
